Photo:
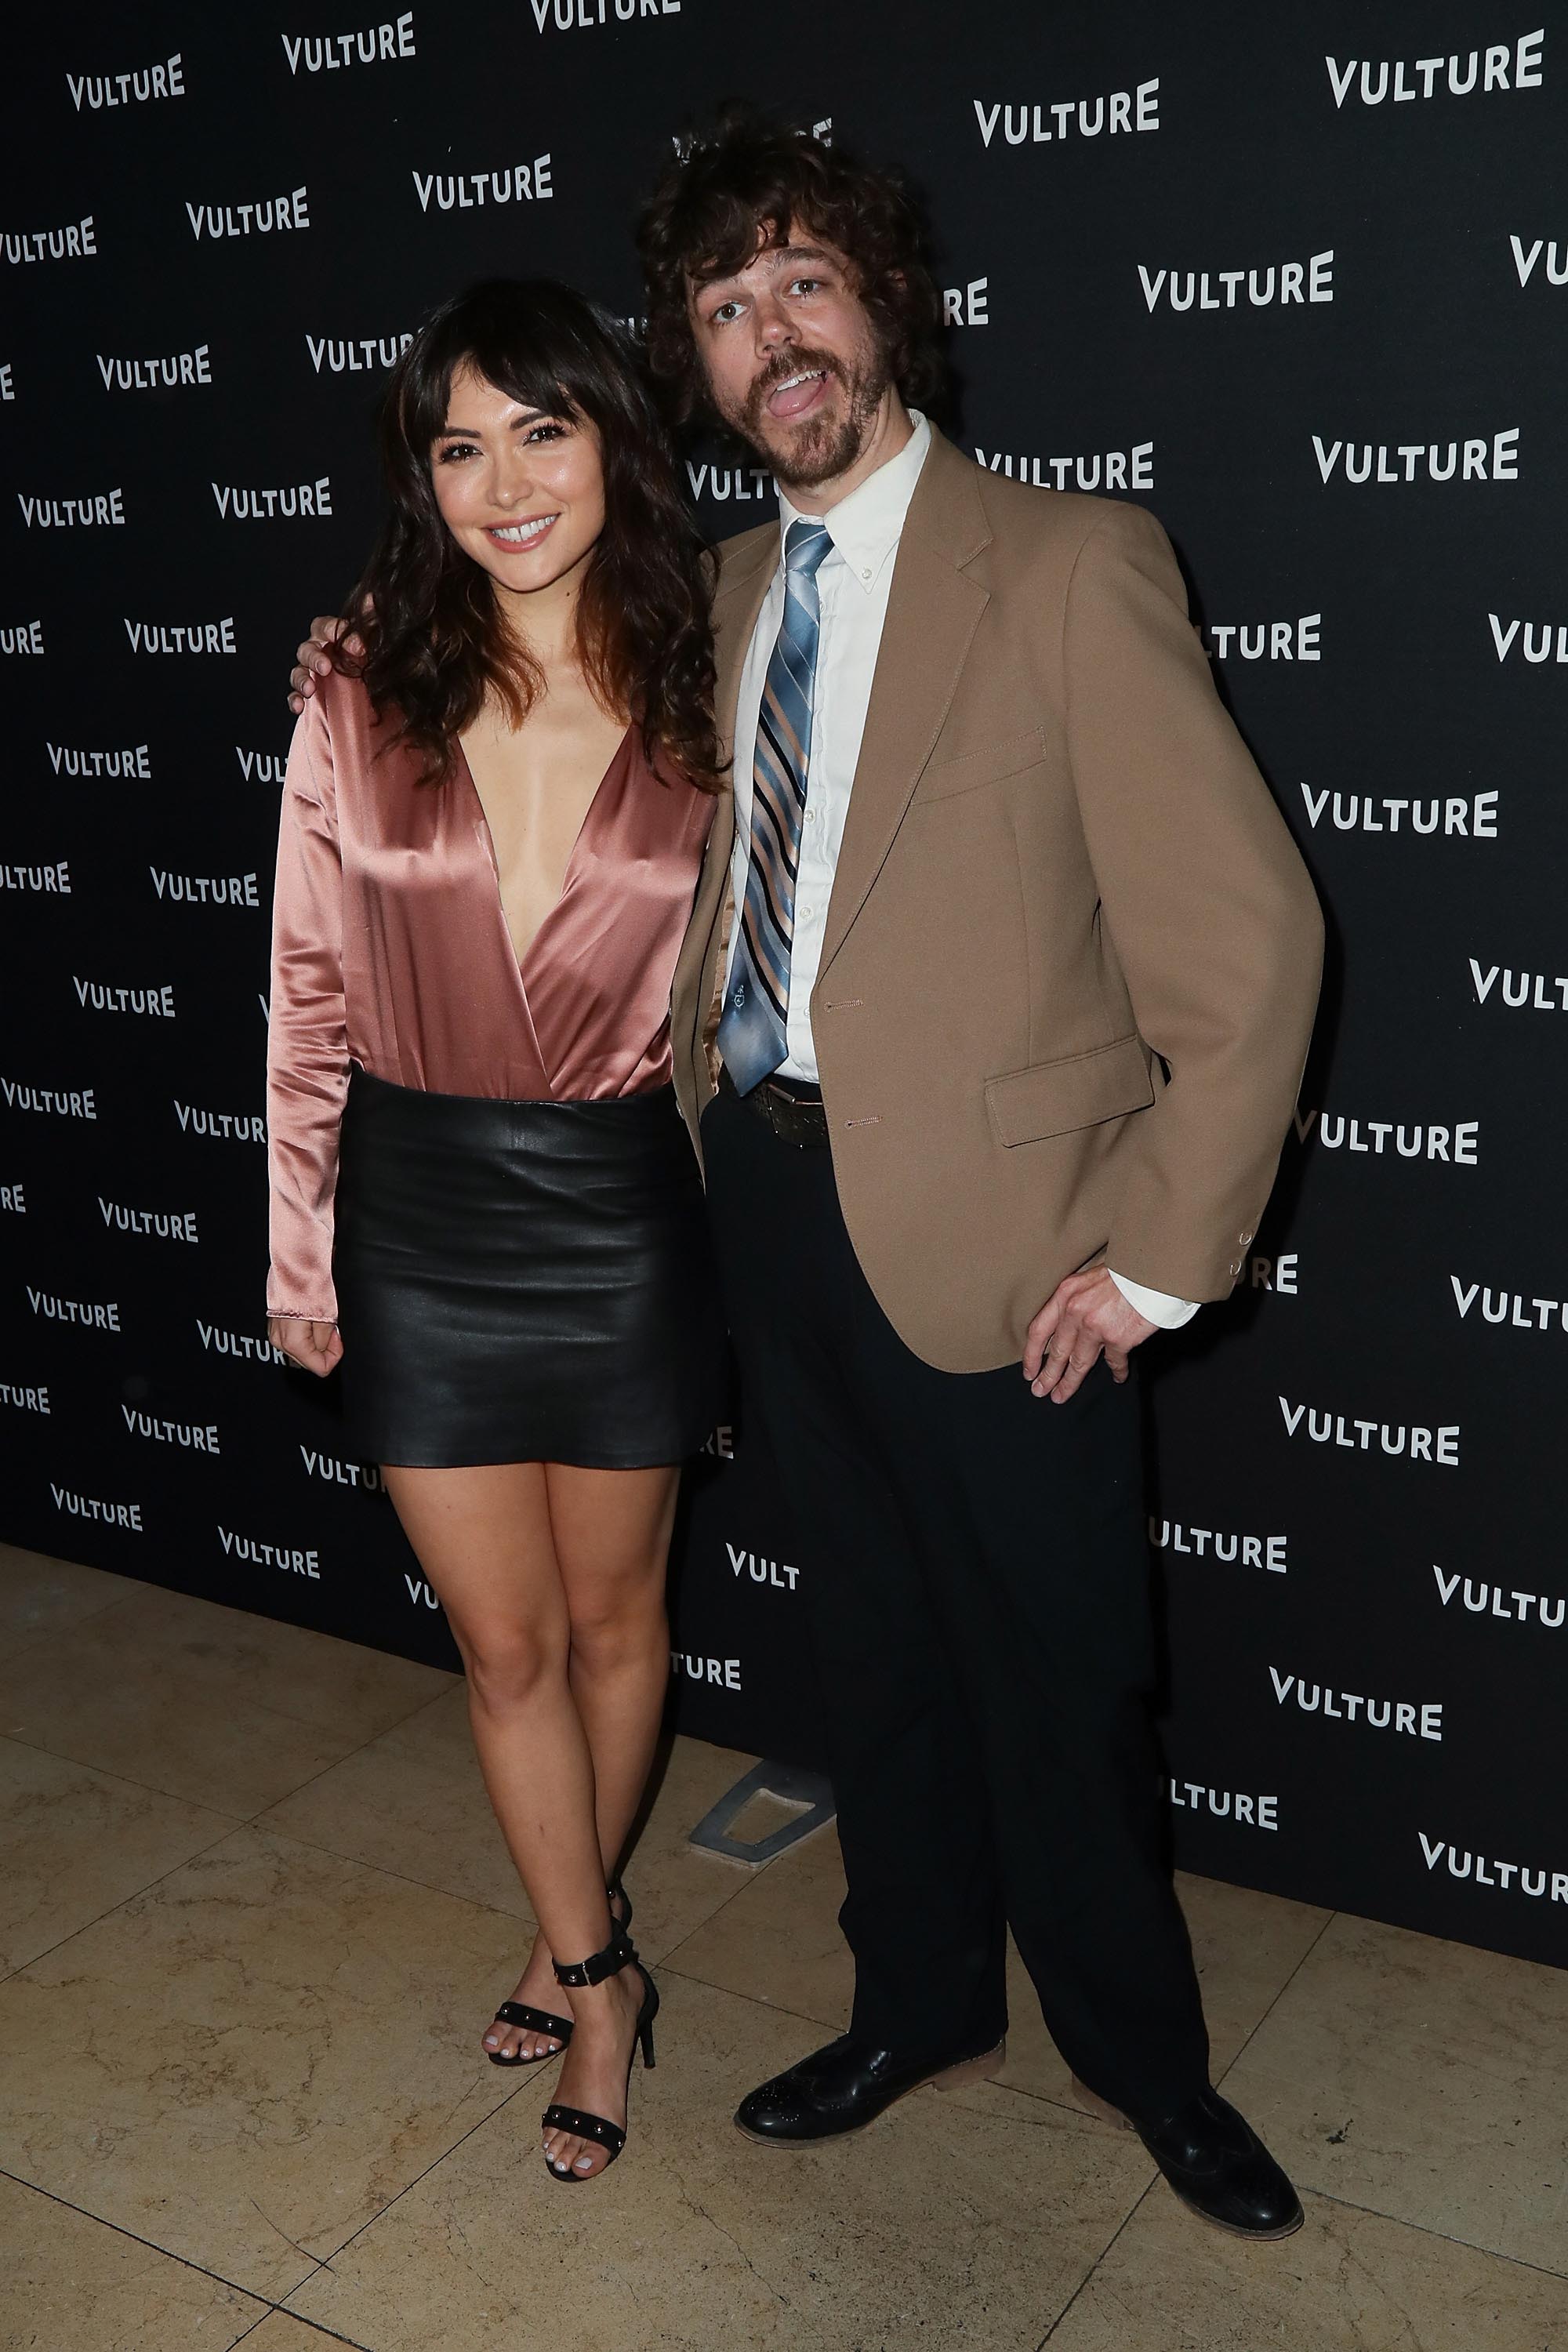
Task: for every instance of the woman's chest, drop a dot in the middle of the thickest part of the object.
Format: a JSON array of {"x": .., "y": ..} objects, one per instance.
[{"x": 536, "y": 792}]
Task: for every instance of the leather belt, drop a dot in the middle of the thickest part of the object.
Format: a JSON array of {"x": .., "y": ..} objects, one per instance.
[{"x": 792, "y": 1110}]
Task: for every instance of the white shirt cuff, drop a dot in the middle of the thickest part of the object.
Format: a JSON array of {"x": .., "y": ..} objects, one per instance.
[{"x": 1155, "y": 1305}]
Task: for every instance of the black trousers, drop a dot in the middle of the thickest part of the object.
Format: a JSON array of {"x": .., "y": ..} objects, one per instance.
[{"x": 976, "y": 1579}]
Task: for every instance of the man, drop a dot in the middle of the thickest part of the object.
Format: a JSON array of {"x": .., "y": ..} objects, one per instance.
[
  {"x": 988, "y": 1025},
  {"x": 990, "y": 1021}
]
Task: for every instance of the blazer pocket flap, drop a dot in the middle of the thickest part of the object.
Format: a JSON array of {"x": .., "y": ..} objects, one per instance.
[
  {"x": 1054, "y": 1097},
  {"x": 948, "y": 773}
]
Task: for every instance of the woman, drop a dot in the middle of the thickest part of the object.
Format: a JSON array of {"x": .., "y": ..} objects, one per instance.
[{"x": 483, "y": 1200}]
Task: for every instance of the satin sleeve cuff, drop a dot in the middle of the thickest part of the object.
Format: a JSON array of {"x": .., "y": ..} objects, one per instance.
[{"x": 1155, "y": 1305}]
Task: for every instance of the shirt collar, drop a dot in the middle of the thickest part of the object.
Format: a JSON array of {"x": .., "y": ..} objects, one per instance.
[{"x": 865, "y": 527}]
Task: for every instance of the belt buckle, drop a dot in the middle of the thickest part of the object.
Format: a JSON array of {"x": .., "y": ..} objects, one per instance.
[
  {"x": 780, "y": 1105},
  {"x": 794, "y": 1121}
]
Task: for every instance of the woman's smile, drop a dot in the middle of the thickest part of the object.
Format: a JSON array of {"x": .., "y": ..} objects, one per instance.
[{"x": 522, "y": 535}]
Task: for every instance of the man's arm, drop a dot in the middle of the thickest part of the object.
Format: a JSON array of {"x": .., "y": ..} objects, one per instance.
[
  {"x": 1211, "y": 917},
  {"x": 1206, "y": 903}
]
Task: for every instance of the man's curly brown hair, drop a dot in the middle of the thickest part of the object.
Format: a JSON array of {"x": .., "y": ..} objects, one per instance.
[{"x": 751, "y": 177}]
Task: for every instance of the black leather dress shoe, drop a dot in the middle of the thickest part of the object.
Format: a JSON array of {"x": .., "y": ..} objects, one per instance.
[
  {"x": 1217, "y": 2164},
  {"x": 845, "y": 2087}
]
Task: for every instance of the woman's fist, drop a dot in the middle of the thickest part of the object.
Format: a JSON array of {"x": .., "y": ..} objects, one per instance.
[{"x": 315, "y": 1346}]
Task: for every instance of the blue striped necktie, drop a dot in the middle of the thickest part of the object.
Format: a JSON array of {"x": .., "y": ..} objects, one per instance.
[{"x": 754, "y": 1028}]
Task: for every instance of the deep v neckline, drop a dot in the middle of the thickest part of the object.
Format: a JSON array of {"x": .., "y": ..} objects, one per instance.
[{"x": 569, "y": 875}]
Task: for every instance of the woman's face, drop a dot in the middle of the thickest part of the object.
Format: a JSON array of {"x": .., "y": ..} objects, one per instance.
[{"x": 520, "y": 489}]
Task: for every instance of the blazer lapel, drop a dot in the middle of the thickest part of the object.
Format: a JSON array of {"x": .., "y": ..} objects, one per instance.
[
  {"x": 739, "y": 600},
  {"x": 933, "y": 611}
]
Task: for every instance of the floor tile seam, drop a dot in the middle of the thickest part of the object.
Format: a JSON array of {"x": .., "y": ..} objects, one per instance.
[
  {"x": 400, "y": 1878},
  {"x": 349, "y": 1753},
  {"x": 282, "y": 1713},
  {"x": 821, "y": 2024},
  {"x": 205, "y": 1804},
  {"x": 1087, "y": 2278},
  {"x": 335, "y": 1763},
  {"x": 313, "y": 2327},
  {"x": 432, "y": 1698},
  {"x": 125, "y": 1779},
  {"x": 1426, "y": 2229},
  {"x": 760, "y": 2000},
  {"x": 1062, "y": 2107},
  {"x": 169, "y": 2253},
  {"x": 526, "y": 1921},
  {"x": 254, "y": 1616},
  {"x": 154, "y": 1789},
  {"x": 1346, "y": 2203},
  {"x": 1256, "y": 2029},
  {"x": 271, "y": 1712},
  {"x": 745, "y": 1886},
  {"x": 670, "y": 1966},
  {"x": 319, "y": 2262},
  {"x": 370, "y": 1739},
  {"x": 110, "y": 1909},
  {"x": 45, "y": 1633},
  {"x": 325, "y": 2262}
]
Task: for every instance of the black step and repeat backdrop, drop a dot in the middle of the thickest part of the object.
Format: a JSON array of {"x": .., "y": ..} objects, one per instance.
[{"x": 1306, "y": 302}]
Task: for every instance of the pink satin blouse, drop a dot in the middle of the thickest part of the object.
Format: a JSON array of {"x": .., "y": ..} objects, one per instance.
[{"x": 390, "y": 949}]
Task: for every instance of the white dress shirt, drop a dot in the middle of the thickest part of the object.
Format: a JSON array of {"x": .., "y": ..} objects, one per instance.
[{"x": 853, "y": 583}]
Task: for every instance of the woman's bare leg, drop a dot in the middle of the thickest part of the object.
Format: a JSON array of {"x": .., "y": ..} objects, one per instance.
[
  {"x": 483, "y": 1537},
  {"x": 611, "y": 1530},
  {"x": 553, "y": 1579}
]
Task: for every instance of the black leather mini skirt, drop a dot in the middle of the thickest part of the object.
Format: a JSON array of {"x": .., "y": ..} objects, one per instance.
[{"x": 523, "y": 1281}]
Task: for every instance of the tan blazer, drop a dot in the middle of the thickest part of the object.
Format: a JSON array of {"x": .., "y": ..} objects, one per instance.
[{"x": 1072, "y": 956}]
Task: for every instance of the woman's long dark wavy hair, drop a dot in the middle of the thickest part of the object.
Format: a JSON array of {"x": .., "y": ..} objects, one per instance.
[{"x": 436, "y": 641}]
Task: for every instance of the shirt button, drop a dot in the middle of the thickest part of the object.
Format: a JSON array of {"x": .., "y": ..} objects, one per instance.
[{"x": 865, "y": 572}]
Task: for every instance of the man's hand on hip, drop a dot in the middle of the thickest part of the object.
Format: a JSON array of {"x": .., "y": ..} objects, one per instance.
[{"x": 1085, "y": 1318}]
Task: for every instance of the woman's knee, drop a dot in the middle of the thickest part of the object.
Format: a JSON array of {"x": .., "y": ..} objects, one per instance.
[
  {"x": 508, "y": 1664},
  {"x": 616, "y": 1623}
]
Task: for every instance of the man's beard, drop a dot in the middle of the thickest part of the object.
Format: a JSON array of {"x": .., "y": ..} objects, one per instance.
[{"x": 823, "y": 446}]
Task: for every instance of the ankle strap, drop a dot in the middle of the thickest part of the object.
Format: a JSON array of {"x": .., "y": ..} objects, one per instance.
[{"x": 615, "y": 1957}]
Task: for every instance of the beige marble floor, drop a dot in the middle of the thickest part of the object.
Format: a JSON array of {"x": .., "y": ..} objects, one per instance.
[{"x": 254, "y": 1913}]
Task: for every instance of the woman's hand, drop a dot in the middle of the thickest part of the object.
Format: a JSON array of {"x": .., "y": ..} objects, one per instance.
[
  {"x": 310, "y": 658},
  {"x": 316, "y": 1347}
]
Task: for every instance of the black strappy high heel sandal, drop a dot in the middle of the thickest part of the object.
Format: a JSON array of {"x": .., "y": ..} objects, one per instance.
[
  {"x": 540, "y": 2021},
  {"x": 617, "y": 1954}
]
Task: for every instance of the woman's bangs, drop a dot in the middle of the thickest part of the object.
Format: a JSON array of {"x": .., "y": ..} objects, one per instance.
[
  {"x": 518, "y": 364},
  {"x": 528, "y": 371}
]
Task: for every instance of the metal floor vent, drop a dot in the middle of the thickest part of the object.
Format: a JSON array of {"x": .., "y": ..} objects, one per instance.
[{"x": 790, "y": 1785}]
